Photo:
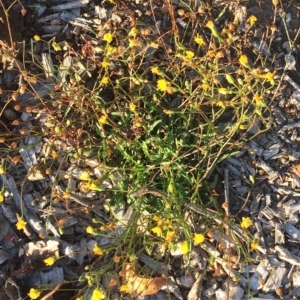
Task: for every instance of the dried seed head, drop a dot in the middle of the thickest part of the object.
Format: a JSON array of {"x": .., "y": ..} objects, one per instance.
[
  {"x": 15, "y": 95},
  {"x": 201, "y": 10},
  {"x": 180, "y": 12}
]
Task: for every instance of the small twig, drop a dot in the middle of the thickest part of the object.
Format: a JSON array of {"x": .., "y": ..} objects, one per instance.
[{"x": 51, "y": 292}]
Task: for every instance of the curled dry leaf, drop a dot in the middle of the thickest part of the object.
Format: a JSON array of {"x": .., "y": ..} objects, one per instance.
[{"x": 140, "y": 286}]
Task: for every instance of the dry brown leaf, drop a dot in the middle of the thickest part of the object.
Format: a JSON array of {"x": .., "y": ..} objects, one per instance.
[{"x": 140, "y": 286}]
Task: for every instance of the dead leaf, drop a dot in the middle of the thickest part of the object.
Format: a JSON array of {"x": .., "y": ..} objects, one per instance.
[{"x": 140, "y": 286}]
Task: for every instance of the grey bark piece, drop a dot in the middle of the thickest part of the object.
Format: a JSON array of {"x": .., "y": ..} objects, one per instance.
[
  {"x": 292, "y": 231},
  {"x": 279, "y": 236},
  {"x": 70, "y": 5},
  {"x": 274, "y": 149},
  {"x": 296, "y": 284},
  {"x": 260, "y": 275},
  {"x": 285, "y": 255},
  {"x": 274, "y": 280}
]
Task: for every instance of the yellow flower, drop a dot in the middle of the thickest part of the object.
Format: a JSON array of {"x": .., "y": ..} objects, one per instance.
[
  {"x": 133, "y": 32},
  {"x": 246, "y": 222},
  {"x": 198, "y": 239},
  {"x": 189, "y": 54},
  {"x": 91, "y": 230},
  {"x": 56, "y": 46},
  {"x": 66, "y": 195},
  {"x": 105, "y": 64},
  {"x": 157, "y": 230},
  {"x": 98, "y": 295},
  {"x": 97, "y": 250},
  {"x": 184, "y": 247},
  {"x": 53, "y": 154},
  {"x": 108, "y": 37},
  {"x": 33, "y": 293},
  {"x": 21, "y": 224},
  {"x": 269, "y": 77},
  {"x": 199, "y": 40},
  {"x": 112, "y": 1},
  {"x": 104, "y": 80},
  {"x": 123, "y": 288},
  {"x": 205, "y": 87},
  {"x": 162, "y": 85},
  {"x": 252, "y": 19},
  {"x": 2, "y": 196},
  {"x": 85, "y": 176},
  {"x": 170, "y": 236},
  {"x": 254, "y": 245},
  {"x": 111, "y": 50},
  {"x": 36, "y": 37},
  {"x": 132, "y": 106},
  {"x": 134, "y": 42},
  {"x": 244, "y": 61},
  {"x": 210, "y": 25},
  {"x": 2, "y": 169},
  {"x": 156, "y": 218},
  {"x": 154, "y": 45},
  {"x": 258, "y": 100},
  {"x": 102, "y": 120},
  {"x": 155, "y": 70},
  {"x": 50, "y": 260}
]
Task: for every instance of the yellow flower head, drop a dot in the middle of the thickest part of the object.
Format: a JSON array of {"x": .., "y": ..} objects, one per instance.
[
  {"x": 98, "y": 294},
  {"x": 97, "y": 250},
  {"x": 199, "y": 40},
  {"x": 246, "y": 222},
  {"x": 170, "y": 236},
  {"x": 2, "y": 196},
  {"x": 189, "y": 55},
  {"x": 37, "y": 38},
  {"x": 210, "y": 25},
  {"x": 91, "y": 230},
  {"x": 56, "y": 46},
  {"x": 33, "y": 293},
  {"x": 205, "y": 87},
  {"x": 21, "y": 224},
  {"x": 155, "y": 70},
  {"x": 104, "y": 80},
  {"x": 244, "y": 61},
  {"x": 184, "y": 247},
  {"x": 2, "y": 169},
  {"x": 198, "y": 239},
  {"x": 108, "y": 37},
  {"x": 258, "y": 100},
  {"x": 133, "y": 32},
  {"x": 269, "y": 77},
  {"x": 102, "y": 120},
  {"x": 85, "y": 176},
  {"x": 132, "y": 106},
  {"x": 111, "y": 50},
  {"x": 105, "y": 64},
  {"x": 50, "y": 260},
  {"x": 157, "y": 230},
  {"x": 252, "y": 19},
  {"x": 124, "y": 288},
  {"x": 254, "y": 245},
  {"x": 162, "y": 85}
]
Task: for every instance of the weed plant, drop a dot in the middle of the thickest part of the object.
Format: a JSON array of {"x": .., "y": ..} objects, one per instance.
[{"x": 159, "y": 109}]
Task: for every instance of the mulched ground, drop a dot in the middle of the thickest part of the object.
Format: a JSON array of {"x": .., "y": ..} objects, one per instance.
[{"x": 272, "y": 158}]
